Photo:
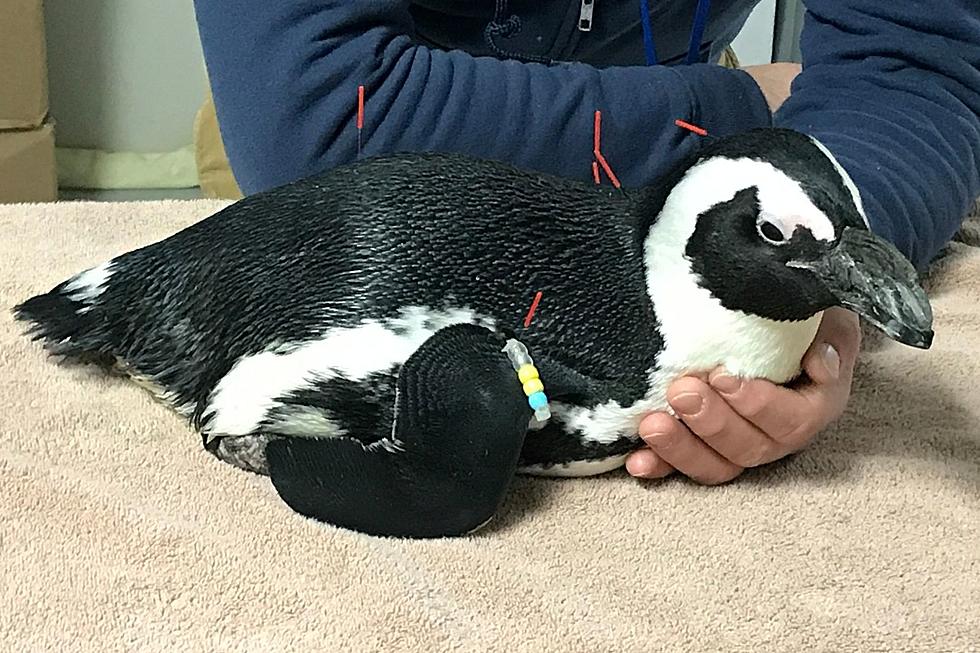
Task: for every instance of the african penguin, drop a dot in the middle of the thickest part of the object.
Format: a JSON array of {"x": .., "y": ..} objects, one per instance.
[{"x": 345, "y": 334}]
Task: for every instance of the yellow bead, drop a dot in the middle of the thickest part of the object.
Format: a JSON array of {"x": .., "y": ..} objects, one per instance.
[
  {"x": 527, "y": 372},
  {"x": 532, "y": 386}
]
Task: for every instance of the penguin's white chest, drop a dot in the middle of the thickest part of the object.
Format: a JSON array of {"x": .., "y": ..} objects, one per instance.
[{"x": 744, "y": 345}]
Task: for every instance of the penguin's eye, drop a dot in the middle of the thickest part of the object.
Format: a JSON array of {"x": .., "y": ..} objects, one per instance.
[{"x": 771, "y": 233}]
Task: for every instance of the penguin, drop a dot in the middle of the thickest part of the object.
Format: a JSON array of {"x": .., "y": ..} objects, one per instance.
[{"x": 351, "y": 335}]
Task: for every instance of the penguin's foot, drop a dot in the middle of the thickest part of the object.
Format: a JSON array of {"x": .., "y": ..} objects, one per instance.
[
  {"x": 246, "y": 452},
  {"x": 443, "y": 468}
]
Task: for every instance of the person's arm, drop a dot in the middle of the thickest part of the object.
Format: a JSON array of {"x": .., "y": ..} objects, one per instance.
[
  {"x": 285, "y": 76},
  {"x": 892, "y": 89}
]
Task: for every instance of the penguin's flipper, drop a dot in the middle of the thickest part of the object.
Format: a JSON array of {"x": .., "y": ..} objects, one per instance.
[{"x": 460, "y": 421}]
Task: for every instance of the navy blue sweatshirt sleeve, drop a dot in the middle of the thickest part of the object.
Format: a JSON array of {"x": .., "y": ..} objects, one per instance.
[
  {"x": 285, "y": 74},
  {"x": 892, "y": 89}
]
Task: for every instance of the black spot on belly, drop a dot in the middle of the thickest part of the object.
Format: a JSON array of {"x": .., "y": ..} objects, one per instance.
[
  {"x": 553, "y": 446},
  {"x": 362, "y": 409}
]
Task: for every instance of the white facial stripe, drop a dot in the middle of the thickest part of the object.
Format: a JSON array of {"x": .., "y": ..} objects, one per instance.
[
  {"x": 848, "y": 182},
  {"x": 718, "y": 180},
  {"x": 788, "y": 224},
  {"x": 791, "y": 207}
]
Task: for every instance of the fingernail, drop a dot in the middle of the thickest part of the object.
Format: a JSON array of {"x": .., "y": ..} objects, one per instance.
[
  {"x": 651, "y": 431},
  {"x": 688, "y": 403},
  {"x": 831, "y": 359},
  {"x": 635, "y": 467},
  {"x": 726, "y": 384},
  {"x": 656, "y": 439}
]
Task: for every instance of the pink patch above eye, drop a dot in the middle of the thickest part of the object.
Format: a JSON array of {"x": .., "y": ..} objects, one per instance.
[{"x": 818, "y": 225}]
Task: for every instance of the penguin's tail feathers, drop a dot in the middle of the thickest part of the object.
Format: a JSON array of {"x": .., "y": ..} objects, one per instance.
[{"x": 68, "y": 322}]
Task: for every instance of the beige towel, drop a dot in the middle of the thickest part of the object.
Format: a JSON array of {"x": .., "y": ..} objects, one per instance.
[{"x": 117, "y": 532}]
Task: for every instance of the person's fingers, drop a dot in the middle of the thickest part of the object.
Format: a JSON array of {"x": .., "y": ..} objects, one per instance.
[
  {"x": 718, "y": 425},
  {"x": 646, "y": 464},
  {"x": 782, "y": 413},
  {"x": 792, "y": 416},
  {"x": 731, "y": 423},
  {"x": 834, "y": 351},
  {"x": 685, "y": 452}
]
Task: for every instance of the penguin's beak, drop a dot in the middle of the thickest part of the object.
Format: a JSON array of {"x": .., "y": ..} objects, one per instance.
[{"x": 869, "y": 276}]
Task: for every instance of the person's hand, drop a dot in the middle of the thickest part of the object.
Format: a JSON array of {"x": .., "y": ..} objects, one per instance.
[
  {"x": 727, "y": 425},
  {"x": 775, "y": 80}
]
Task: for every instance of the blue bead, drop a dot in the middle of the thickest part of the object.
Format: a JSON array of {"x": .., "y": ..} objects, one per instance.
[{"x": 538, "y": 400}]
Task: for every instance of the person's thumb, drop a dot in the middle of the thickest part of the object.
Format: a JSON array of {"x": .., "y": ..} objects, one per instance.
[{"x": 831, "y": 356}]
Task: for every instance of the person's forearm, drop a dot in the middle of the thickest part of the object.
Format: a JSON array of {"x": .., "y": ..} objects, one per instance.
[
  {"x": 893, "y": 91},
  {"x": 285, "y": 77}
]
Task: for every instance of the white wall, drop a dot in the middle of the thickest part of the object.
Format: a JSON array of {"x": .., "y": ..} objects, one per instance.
[
  {"x": 754, "y": 42},
  {"x": 125, "y": 75}
]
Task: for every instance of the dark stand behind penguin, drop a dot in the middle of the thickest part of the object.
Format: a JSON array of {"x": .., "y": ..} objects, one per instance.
[{"x": 345, "y": 334}]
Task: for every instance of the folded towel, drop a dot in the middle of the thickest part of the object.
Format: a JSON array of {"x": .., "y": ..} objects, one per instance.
[{"x": 118, "y": 532}]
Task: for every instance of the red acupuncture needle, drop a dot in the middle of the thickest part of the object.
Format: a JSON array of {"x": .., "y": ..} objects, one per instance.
[
  {"x": 694, "y": 128},
  {"x": 360, "y": 116},
  {"x": 597, "y": 151},
  {"x": 534, "y": 307}
]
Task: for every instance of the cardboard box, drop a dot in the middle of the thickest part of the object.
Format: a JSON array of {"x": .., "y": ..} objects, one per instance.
[
  {"x": 23, "y": 65},
  {"x": 27, "y": 165}
]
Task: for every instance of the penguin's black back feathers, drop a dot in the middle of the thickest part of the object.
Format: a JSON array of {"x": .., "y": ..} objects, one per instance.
[{"x": 366, "y": 241}]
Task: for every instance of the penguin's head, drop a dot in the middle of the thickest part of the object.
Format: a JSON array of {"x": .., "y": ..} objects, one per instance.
[{"x": 771, "y": 225}]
